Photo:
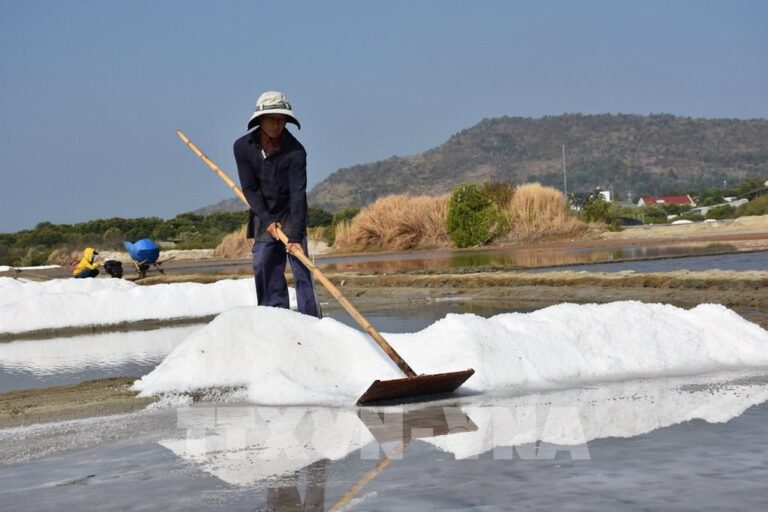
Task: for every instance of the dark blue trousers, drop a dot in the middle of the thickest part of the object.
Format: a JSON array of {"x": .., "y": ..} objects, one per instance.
[
  {"x": 87, "y": 273},
  {"x": 269, "y": 259}
]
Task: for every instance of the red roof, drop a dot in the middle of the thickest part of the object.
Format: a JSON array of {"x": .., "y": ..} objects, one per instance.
[{"x": 668, "y": 200}]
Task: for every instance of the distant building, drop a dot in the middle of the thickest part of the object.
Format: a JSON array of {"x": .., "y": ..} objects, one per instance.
[{"x": 653, "y": 200}]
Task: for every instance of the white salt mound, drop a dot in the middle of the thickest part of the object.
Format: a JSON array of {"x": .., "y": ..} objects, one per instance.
[
  {"x": 283, "y": 357},
  {"x": 29, "y": 306}
]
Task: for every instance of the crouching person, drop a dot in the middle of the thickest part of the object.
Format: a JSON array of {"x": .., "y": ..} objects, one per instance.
[{"x": 87, "y": 267}]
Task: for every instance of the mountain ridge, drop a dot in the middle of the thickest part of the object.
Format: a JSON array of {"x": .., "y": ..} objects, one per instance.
[{"x": 642, "y": 155}]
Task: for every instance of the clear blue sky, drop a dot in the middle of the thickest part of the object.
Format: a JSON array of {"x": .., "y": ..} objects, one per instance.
[{"x": 91, "y": 92}]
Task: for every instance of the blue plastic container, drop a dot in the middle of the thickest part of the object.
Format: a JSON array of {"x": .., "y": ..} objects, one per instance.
[{"x": 143, "y": 251}]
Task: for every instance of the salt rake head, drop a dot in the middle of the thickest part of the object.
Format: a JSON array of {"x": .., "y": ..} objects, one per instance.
[{"x": 414, "y": 387}]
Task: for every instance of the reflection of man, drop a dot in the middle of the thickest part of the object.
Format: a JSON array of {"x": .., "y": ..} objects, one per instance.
[
  {"x": 272, "y": 166},
  {"x": 287, "y": 496}
]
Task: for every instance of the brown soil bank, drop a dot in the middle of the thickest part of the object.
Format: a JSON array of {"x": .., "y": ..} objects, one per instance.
[
  {"x": 744, "y": 292},
  {"x": 742, "y": 225},
  {"x": 722, "y": 279},
  {"x": 91, "y": 398}
]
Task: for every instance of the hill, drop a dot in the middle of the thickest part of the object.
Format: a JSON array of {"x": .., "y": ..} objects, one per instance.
[
  {"x": 641, "y": 155},
  {"x": 225, "y": 205}
]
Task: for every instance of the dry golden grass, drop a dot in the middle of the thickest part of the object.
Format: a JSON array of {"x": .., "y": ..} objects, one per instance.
[
  {"x": 536, "y": 213},
  {"x": 318, "y": 233},
  {"x": 234, "y": 245},
  {"x": 64, "y": 256},
  {"x": 396, "y": 223}
]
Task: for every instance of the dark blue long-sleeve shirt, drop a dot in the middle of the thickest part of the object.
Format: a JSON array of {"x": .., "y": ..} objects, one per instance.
[{"x": 275, "y": 185}]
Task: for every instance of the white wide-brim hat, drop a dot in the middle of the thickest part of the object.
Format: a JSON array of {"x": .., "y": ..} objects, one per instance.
[{"x": 272, "y": 102}]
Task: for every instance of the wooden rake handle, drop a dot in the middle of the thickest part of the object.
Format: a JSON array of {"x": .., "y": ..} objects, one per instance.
[{"x": 359, "y": 318}]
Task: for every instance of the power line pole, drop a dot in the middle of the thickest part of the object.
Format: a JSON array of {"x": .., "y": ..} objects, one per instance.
[{"x": 565, "y": 176}]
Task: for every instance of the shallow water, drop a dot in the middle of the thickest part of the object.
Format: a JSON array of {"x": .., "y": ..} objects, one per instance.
[
  {"x": 511, "y": 257},
  {"x": 697, "y": 443},
  {"x": 28, "y": 364},
  {"x": 736, "y": 261}
]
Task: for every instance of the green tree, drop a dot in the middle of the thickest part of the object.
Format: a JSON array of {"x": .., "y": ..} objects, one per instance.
[
  {"x": 345, "y": 215},
  {"x": 473, "y": 218},
  {"x": 724, "y": 211},
  {"x": 596, "y": 208},
  {"x": 757, "y": 206},
  {"x": 711, "y": 197},
  {"x": 654, "y": 215},
  {"x": 318, "y": 217},
  {"x": 112, "y": 239},
  {"x": 748, "y": 185}
]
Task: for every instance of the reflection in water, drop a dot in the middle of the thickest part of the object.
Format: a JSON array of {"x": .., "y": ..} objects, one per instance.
[
  {"x": 535, "y": 426},
  {"x": 511, "y": 257},
  {"x": 64, "y": 355},
  {"x": 26, "y": 364},
  {"x": 246, "y": 445},
  {"x": 286, "y": 495},
  {"x": 402, "y": 428},
  {"x": 267, "y": 446}
]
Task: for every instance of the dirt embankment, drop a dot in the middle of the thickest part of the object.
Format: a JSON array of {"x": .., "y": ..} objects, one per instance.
[
  {"x": 742, "y": 225},
  {"x": 719, "y": 279},
  {"x": 744, "y": 292},
  {"x": 91, "y": 398}
]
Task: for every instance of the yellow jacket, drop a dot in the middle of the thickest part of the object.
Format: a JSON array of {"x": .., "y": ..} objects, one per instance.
[{"x": 86, "y": 262}]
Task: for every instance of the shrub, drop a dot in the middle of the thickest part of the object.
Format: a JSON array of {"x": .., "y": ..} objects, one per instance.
[
  {"x": 711, "y": 197},
  {"x": 37, "y": 255},
  {"x": 724, "y": 211},
  {"x": 395, "y": 223},
  {"x": 345, "y": 215},
  {"x": 112, "y": 239},
  {"x": 318, "y": 217},
  {"x": 473, "y": 218},
  {"x": 676, "y": 209},
  {"x": 11, "y": 256},
  {"x": 653, "y": 215},
  {"x": 596, "y": 209},
  {"x": 537, "y": 212},
  {"x": 757, "y": 206}
]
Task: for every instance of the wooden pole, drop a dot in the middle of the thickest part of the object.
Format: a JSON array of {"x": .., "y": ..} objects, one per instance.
[
  {"x": 360, "y": 319},
  {"x": 368, "y": 477}
]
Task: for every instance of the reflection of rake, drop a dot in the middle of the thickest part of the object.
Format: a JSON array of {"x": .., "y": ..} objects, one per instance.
[
  {"x": 413, "y": 385},
  {"x": 418, "y": 424}
]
